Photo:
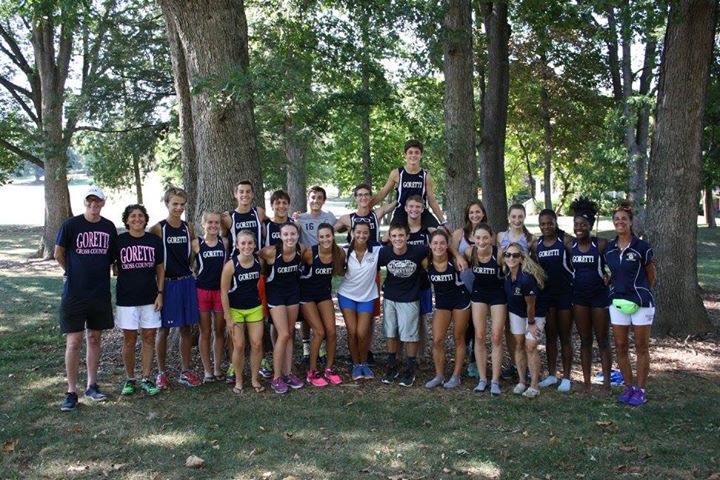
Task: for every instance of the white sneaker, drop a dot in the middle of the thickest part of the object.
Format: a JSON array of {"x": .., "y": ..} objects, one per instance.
[
  {"x": 519, "y": 389},
  {"x": 531, "y": 393},
  {"x": 548, "y": 381},
  {"x": 565, "y": 385}
]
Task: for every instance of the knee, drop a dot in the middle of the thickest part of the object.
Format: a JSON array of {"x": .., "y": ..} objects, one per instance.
[
  {"x": 129, "y": 340},
  {"x": 148, "y": 336},
  {"x": 642, "y": 349},
  {"x": 72, "y": 343},
  {"x": 497, "y": 339},
  {"x": 93, "y": 340},
  {"x": 480, "y": 338},
  {"x": 530, "y": 347},
  {"x": 438, "y": 342},
  {"x": 586, "y": 342},
  {"x": 621, "y": 346},
  {"x": 319, "y": 333},
  {"x": 256, "y": 344}
]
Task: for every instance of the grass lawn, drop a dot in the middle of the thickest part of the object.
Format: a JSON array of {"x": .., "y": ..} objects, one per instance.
[{"x": 365, "y": 430}]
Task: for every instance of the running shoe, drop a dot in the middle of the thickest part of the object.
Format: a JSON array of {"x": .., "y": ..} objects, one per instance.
[
  {"x": 94, "y": 394},
  {"x": 70, "y": 402},
  {"x": 230, "y": 375},
  {"x": 472, "y": 370},
  {"x": 408, "y": 378},
  {"x": 162, "y": 381},
  {"x": 370, "y": 359},
  {"x": 278, "y": 385},
  {"x": 548, "y": 381},
  {"x": 519, "y": 389},
  {"x": 265, "y": 368},
  {"x": 454, "y": 382},
  {"x": 509, "y": 373},
  {"x": 128, "y": 388},
  {"x": 357, "y": 372},
  {"x": 481, "y": 386},
  {"x": 565, "y": 385},
  {"x": 208, "y": 378},
  {"x": 292, "y": 381},
  {"x": 332, "y": 377},
  {"x": 149, "y": 387},
  {"x": 189, "y": 379},
  {"x": 495, "y": 389},
  {"x": 531, "y": 393},
  {"x": 626, "y": 394},
  {"x": 637, "y": 398},
  {"x": 391, "y": 373},
  {"x": 366, "y": 372},
  {"x": 616, "y": 378},
  {"x": 434, "y": 382},
  {"x": 315, "y": 379}
]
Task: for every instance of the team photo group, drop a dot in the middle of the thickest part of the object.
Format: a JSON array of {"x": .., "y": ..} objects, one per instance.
[{"x": 249, "y": 276}]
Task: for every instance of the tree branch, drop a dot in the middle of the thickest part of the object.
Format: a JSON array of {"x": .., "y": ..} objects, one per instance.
[
  {"x": 15, "y": 91},
  {"x": 17, "y": 56},
  {"x": 155, "y": 126},
  {"x": 22, "y": 153}
]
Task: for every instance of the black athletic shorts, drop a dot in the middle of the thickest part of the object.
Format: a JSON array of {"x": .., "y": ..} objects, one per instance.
[{"x": 78, "y": 314}]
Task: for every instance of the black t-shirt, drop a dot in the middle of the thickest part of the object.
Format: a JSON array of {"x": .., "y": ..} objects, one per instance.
[
  {"x": 89, "y": 252},
  {"x": 402, "y": 283},
  {"x": 137, "y": 259}
]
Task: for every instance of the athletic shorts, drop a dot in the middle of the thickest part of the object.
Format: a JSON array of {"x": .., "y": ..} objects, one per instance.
[
  {"x": 644, "y": 316},
  {"x": 489, "y": 297},
  {"x": 426, "y": 304},
  {"x": 282, "y": 298},
  {"x": 596, "y": 299},
  {"x": 247, "y": 315},
  {"x": 314, "y": 297},
  {"x": 78, "y": 314},
  {"x": 401, "y": 320},
  {"x": 134, "y": 318},
  {"x": 209, "y": 300},
  {"x": 519, "y": 326},
  {"x": 359, "y": 307},
  {"x": 180, "y": 303},
  {"x": 561, "y": 301},
  {"x": 453, "y": 302}
]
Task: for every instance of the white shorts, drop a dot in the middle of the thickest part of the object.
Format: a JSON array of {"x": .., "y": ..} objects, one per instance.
[
  {"x": 519, "y": 326},
  {"x": 401, "y": 319},
  {"x": 133, "y": 318},
  {"x": 644, "y": 316}
]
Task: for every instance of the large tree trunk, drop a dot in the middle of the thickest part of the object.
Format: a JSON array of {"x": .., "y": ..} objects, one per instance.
[
  {"x": 461, "y": 164},
  {"x": 53, "y": 73},
  {"x": 182, "y": 90},
  {"x": 709, "y": 207},
  {"x": 675, "y": 166},
  {"x": 366, "y": 105},
  {"x": 494, "y": 108},
  {"x": 137, "y": 175},
  {"x": 295, "y": 149},
  {"x": 214, "y": 40}
]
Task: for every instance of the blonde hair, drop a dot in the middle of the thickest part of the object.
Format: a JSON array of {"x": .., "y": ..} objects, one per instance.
[
  {"x": 174, "y": 192},
  {"x": 527, "y": 265}
]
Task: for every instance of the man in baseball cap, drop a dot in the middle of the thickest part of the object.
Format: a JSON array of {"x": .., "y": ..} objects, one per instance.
[{"x": 95, "y": 191}]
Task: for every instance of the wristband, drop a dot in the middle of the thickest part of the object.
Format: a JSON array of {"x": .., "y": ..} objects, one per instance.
[
  {"x": 531, "y": 323},
  {"x": 160, "y": 292}
]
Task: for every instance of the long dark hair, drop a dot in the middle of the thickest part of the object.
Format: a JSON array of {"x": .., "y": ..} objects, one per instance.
[
  {"x": 468, "y": 228},
  {"x": 439, "y": 232},
  {"x": 337, "y": 260}
]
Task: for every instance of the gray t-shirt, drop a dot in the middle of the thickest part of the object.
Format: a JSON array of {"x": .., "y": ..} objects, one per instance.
[{"x": 309, "y": 225}]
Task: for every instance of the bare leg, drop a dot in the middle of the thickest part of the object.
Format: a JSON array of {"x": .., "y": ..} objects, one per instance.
[
  {"x": 642, "y": 343},
  {"x": 479, "y": 315},
  {"x": 440, "y": 324},
  {"x": 255, "y": 332},
  {"x": 312, "y": 317},
  {"x": 128, "y": 352},
  {"x": 520, "y": 356},
  {"x": 185, "y": 347},
  {"x": 205, "y": 333},
  {"x": 584, "y": 327},
  {"x": 551, "y": 348},
  {"x": 92, "y": 339},
  {"x": 161, "y": 347},
  {"x": 218, "y": 342},
  {"x": 533, "y": 358},
  {"x": 327, "y": 314},
  {"x": 238, "y": 356},
  {"x": 461, "y": 318},
  {"x": 621, "y": 334},
  {"x": 601, "y": 326},
  {"x": 72, "y": 358},
  {"x": 497, "y": 315},
  {"x": 351, "y": 325},
  {"x": 565, "y": 324},
  {"x": 148, "y": 341}
]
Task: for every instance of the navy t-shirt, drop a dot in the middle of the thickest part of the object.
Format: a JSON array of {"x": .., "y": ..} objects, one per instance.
[
  {"x": 137, "y": 259},
  {"x": 89, "y": 252},
  {"x": 516, "y": 290},
  {"x": 628, "y": 280},
  {"x": 402, "y": 283}
]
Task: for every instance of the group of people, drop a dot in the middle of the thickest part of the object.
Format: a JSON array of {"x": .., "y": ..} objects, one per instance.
[{"x": 247, "y": 267}]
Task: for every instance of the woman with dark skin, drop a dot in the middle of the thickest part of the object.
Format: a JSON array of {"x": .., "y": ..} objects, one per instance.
[
  {"x": 552, "y": 251},
  {"x": 590, "y": 293}
]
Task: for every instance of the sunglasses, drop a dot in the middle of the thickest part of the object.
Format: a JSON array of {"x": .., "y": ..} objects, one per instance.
[{"x": 512, "y": 255}]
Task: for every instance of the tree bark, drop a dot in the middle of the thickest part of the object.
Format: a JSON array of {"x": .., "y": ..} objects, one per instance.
[
  {"x": 494, "y": 108},
  {"x": 187, "y": 139},
  {"x": 461, "y": 164},
  {"x": 366, "y": 105},
  {"x": 674, "y": 178},
  {"x": 295, "y": 148},
  {"x": 709, "y": 207},
  {"x": 214, "y": 41},
  {"x": 52, "y": 72},
  {"x": 137, "y": 175}
]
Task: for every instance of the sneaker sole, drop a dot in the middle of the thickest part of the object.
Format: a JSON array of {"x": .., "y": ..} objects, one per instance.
[
  {"x": 95, "y": 400},
  {"x": 406, "y": 384},
  {"x": 188, "y": 384}
]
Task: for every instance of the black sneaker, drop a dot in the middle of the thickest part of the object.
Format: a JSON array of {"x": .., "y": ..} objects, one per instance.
[
  {"x": 391, "y": 373},
  {"x": 408, "y": 378},
  {"x": 94, "y": 394},
  {"x": 70, "y": 402},
  {"x": 370, "y": 359},
  {"x": 509, "y": 373}
]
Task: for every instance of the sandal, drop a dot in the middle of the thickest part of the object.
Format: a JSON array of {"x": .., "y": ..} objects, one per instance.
[
  {"x": 237, "y": 390},
  {"x": 259, "y": 388},
  {"x": 209, "y": 378},
  {"x": 220, "y": 377}
]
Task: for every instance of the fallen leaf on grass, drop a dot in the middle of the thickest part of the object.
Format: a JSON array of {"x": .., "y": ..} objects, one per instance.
[
  {"x": 628, "y": 449},
  {"x": 629, "y": 469},
  {"x": 77, "y": 428},
  {"x": 267, "y": 474},
  {"x": 291, "y": 477},
  {"x": 194, "y": 462},
  {"x": 714, "y": 476},
  {"x": 77, "y": 468},
  {"x": 10, "y": 445},
  {"x": 554, "y": 440},
  {"x": 396, "y": 477},
  {"x": 607, "y": 426}
]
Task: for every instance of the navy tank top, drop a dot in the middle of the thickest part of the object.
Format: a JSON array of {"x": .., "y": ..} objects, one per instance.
[
  {"x": 371, "y": 220},
  {"x": 317, "y": 277},
  {"x": 283, "y": 276},
  {"x": 272, "y": 232},
  {"x": 589, "y": 267},
  {"x": 419, "y": 238},
  {"x": 245, "y": 221},
  {"x": 410, "y": 184},
  {"x": 243, "y": 293},
  {"x": 556, "y": 263},
  {"x": 488, "y": 275},
  {"x": 177, "y": 249},
  {"x": 447, "y": 284},
  {"x": 209, "y": 262}
]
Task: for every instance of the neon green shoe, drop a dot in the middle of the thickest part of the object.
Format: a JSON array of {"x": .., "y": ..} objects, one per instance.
[
  {"x": 149, "y": 387},
  {"x": 128, "y": 388}
]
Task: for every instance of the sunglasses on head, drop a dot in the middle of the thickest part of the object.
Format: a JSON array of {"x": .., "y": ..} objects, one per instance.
[{"x": 512, "y": 255}]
